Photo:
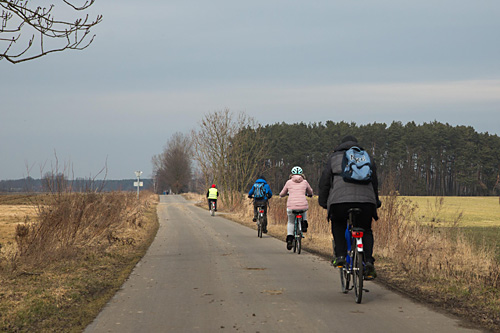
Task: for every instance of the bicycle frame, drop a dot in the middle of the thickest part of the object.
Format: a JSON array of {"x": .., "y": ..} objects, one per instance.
[{"x": 353, "y": 237}]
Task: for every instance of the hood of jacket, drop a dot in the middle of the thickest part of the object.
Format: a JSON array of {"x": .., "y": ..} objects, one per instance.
[
  {"x": 297, "y": 178},
  {"x": 346, "y": 145}
]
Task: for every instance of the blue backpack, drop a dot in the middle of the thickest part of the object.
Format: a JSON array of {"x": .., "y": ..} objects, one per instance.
[
  {"x": 259, "y": 192},
  {"x": 356, "y": 166}
]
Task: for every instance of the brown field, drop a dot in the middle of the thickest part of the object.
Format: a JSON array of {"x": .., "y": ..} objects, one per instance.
[
  {"x": 10, "y": 217},
  {"x": 60, "y": 281}
]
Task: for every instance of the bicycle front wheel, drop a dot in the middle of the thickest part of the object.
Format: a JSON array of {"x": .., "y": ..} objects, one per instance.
[
  {"x": 357, "y": 277},
  {"x": 345, "y": 279}
]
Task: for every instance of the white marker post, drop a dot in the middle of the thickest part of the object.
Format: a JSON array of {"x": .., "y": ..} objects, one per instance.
[{"x": 138, "y": 183}]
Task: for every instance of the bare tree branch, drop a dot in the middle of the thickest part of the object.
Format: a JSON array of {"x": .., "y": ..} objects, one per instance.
[
  {"x": 27, "y": 33},
  {"x": 172, "y": 168},
  {"x": 229, "y": 150}
]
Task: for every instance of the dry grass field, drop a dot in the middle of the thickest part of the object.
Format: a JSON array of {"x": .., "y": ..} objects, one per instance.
[
  {"x": 63, "y": 256},
  {"x": 10, "y": 217}
]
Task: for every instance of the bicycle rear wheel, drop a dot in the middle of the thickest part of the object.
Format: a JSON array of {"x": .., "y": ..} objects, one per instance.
[
  {"x": 357, "y": 276},
  {"x": 259, "y": 228}
]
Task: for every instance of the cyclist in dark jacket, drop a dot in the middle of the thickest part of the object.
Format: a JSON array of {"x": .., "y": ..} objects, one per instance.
[
  {"x": 338, "y": 196},
  {"x": 261, "y": 201}
]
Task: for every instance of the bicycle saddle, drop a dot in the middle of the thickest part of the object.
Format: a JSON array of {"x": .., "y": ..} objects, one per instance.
[{"x": 356, "y": 211}]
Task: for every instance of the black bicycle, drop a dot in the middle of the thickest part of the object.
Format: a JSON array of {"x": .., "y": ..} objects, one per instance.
[
  {"x": 261, "y": 215},
  {"x": 297, "y": 230},
  {"x": 212, "y": 208},
  {"x": 353, "y": 269}
]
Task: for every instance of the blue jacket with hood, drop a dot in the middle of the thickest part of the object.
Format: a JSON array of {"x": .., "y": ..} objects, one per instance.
[{"x": 266, "y": 187}]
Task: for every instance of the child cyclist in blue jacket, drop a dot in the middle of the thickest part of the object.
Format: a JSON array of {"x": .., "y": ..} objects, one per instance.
[{"x": 261, "y": 193}]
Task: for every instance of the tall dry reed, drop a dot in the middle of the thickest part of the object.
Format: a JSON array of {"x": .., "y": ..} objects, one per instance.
[{"x": 68, "y": 224}]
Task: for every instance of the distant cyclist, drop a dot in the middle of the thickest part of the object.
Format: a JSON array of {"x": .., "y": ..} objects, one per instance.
[
  {"x": 338, "y": 196},
  {"x": 296, "y": 187},
  {"x": 261, "y": 193},
  {"x": 212, "y": 195}
]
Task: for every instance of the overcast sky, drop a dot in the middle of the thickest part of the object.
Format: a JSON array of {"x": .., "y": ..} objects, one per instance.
[{"x": 156, "y": 67}]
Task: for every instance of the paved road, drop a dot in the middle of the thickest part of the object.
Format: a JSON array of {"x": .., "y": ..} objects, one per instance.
[{"x": 208, "y": 274}]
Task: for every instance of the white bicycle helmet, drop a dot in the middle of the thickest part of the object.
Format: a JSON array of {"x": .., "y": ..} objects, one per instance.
[{"x": 296, "y": 170}]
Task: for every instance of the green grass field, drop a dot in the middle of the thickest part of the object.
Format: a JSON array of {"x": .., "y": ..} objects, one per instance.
[
  {"x": 475, "y": 211},
  {"x": 477, "y": 217}
]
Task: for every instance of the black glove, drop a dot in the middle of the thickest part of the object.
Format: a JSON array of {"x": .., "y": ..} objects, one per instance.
[
  {"x": 379, "y": 203},
  {"x": 249, "y": 197}
]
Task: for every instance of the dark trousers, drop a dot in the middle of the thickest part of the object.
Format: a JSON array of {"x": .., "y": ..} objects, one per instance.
[
  {"x": 339, "y": 216},
  {"x": 210, "y": 203},
  {"x": 263, "y": 204}
]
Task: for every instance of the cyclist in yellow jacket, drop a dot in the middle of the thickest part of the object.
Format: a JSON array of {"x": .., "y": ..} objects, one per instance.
[{"x": 212, "y": 195}]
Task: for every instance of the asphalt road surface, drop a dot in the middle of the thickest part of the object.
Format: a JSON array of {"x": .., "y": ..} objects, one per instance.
[{"x": 209, "y": 274}]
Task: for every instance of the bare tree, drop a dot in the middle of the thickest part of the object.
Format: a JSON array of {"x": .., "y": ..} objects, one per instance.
[
  {"x": 29, "y": 31},
  {"x": 172, "y": 168},
  {"x": 228, "y": 150}
]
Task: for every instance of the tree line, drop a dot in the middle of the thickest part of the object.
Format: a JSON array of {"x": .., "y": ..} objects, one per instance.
[
  {"x": 60, "y": 183},
  {"x": 433, "y": 158},
  {"x": 429, "y": 159}
]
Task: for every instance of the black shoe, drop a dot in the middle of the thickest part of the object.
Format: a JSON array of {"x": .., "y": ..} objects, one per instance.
[
  {"x": 370, "y": 272},
  {"x": 339, "y": 261},
  {"x": 254, "y": 219},
  {"x": 289, "y": 242},
  {"x": 264, "y": 231},
  {"x": 304, "y": 226}
]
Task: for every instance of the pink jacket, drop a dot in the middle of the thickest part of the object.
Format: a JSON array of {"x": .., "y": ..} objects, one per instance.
[{"x": 296, "y": 187}]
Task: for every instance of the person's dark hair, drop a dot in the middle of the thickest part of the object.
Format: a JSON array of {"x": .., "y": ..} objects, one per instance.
[
  {"x": 349, "y": 138},
  {"x": 262, "y": 177}
]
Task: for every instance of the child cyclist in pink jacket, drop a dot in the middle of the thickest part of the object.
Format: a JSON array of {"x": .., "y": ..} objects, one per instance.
[{"x": 297, "y": 188}]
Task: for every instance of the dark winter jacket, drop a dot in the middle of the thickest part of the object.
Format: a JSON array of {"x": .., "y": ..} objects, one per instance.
[{"x": 333, "y": 189}]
